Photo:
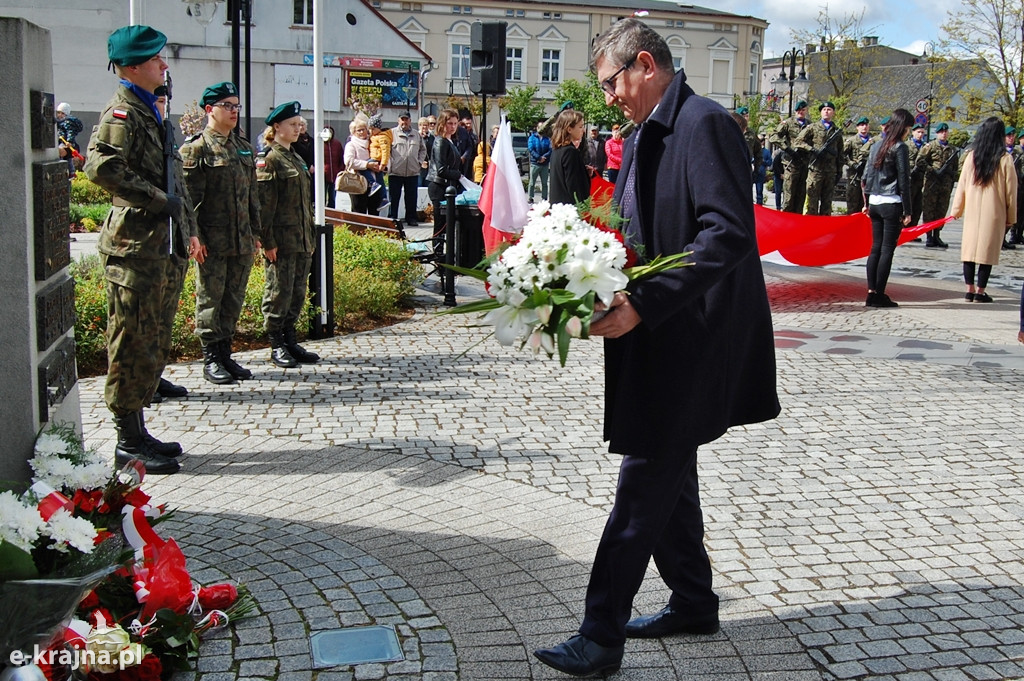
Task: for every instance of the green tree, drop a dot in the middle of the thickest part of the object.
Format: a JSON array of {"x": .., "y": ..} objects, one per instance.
[
  {"x": 521, "y": 109},
  {"x": 992, "y": 31},
  {"x": 588, "y": 98}
]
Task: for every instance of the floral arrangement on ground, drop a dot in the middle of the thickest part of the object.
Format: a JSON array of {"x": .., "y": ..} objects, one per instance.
[
  {"x": 87, "y": 585},
  {"x": 547, "y": 285}
]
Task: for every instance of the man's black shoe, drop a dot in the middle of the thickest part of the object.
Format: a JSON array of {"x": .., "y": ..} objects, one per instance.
[
  {"x": 668, "y": 621},
  {"x": 411, "y": 223},
  {"x": 168, "y": 389},
  {"x": 171, "y": 450},
  {"x": 233, "y": 367},
  {"x": 132, "y": 445},
  {"x": 579, "y": 656}
]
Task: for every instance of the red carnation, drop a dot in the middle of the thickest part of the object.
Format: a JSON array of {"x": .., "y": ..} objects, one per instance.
[
  {"x": 137, "y": 498},
  {"x": 90, "y": 601},
  {"x": 218, "y": 596}
]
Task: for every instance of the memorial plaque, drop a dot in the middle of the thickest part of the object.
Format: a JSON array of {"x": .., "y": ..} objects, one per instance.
[
  {"x": 55, "y": 312},
  {"x": 51, "y": 195},
  {"x": 57, "y": 375},
  {"x": 41, "y": 120}
]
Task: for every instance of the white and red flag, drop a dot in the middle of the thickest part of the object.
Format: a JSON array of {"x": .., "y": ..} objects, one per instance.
[{"x": 503, "y": 198}]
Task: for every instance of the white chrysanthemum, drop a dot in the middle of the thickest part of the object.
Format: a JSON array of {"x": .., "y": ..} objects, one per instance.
[
  {"x": 54, "y": 471},
  {"x": 67, "y": 530},
  {"x": 20, "y": 525},
  {"x": 50, "y": 444}
]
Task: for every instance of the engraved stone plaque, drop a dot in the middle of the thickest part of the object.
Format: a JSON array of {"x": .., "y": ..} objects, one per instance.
[
  {"x": 41, "y": 120},
  {"x": 51, "y": 194},
  {"x": 57, "y": 375},
  {"x": 55, "y": 312}
]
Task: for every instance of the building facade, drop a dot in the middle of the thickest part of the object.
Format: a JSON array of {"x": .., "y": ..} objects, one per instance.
[{"x": 549, "y": 42}]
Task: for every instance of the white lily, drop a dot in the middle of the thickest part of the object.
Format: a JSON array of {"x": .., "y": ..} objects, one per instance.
[{"x": 511, "y": 323}]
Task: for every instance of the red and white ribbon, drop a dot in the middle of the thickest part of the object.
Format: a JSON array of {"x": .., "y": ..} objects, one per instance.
[
  {"x": 137, "y": 529},
  {"x": 50, "y": 500},
  {"x": 76, "y": 633}
]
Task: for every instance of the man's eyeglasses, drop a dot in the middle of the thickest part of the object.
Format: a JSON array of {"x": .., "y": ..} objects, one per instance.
[
  {"x": 608, "y": 84},
  {"x": 229, "y": 107}
]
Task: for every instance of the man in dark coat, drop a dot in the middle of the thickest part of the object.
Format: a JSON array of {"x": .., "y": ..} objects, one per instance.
[{"x": 688, "y": 353}]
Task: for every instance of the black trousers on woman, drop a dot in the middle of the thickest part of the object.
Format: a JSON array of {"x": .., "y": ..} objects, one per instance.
[{"x": 886, "y": 224}]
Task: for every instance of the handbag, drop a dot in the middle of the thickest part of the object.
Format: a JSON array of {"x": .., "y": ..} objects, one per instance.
[{"x": 350, "y": 182}]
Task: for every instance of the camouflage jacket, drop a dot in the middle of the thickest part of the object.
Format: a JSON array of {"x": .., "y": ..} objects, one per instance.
[
  {"x": 753, "y": 144},
  {"x": 220, "y": 173},
  {"x": 786, "y": 133},
  {"x": 126, "y": 157},
  {"x": 286, "y": 206},
  {"x": 855, "y": 154},
  {"x": 933, "y": 157},
  {"x": 915, "y": 151},
  {"x": 812, "y": 139}
]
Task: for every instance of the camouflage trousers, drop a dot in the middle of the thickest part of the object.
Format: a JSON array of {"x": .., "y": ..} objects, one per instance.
[
  {"x": 854, "y": 196},
  {"x": 821, "y": 185},
  {"x": 142, "y": 298},
  {"x": 220, "y": 295},
  {"x": 285, "y": 291},
  {"x": 916, "y": 197},
  {"x": 935, "y": 199},
  {"x": 795, "y": 187}
]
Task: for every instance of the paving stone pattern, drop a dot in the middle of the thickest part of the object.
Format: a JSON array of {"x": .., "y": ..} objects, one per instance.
[{"x": 423, "y": 476}]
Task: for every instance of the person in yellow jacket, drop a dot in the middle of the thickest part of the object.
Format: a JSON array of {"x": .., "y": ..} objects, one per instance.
[
  {"x": 380, "y": 151},
  {"x": 478, "y": 163}
]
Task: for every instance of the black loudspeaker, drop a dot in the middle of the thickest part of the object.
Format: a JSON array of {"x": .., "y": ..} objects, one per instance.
[{"x": 487, "y": 58}]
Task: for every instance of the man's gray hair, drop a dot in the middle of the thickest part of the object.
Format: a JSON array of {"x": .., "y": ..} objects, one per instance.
[{"x": 628, "y": 38}]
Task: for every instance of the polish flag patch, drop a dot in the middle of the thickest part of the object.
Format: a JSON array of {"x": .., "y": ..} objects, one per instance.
[
  {"x": 119, "y": 113},
  {"x": 261, "y": 163}
]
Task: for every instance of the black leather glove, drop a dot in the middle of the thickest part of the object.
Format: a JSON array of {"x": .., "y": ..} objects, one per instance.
[{"x": 171, "y": 209}]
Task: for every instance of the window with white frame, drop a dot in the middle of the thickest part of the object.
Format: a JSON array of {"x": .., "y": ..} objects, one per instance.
[
  {"x": 550, "y": 65},
  {"x": 458, "y": 50},
  {"x": 677, "y": 47},
  {"x": 460, "y": 61},
  {"x": 514, "y": 63},
  {"x": 303, "y": 15}
]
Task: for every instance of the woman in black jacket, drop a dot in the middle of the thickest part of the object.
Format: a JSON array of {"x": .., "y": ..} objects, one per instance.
[
  {"x": 570, "y": 180},
  {"x": 443, "y": 170},
  {"x": 887, "y": 202}
]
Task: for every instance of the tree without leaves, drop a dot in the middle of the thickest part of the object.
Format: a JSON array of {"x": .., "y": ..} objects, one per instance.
[{"x": 837, "y": 66}]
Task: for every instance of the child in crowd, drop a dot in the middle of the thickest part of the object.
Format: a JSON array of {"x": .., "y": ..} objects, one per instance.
[{"x": 380, "y": 150}]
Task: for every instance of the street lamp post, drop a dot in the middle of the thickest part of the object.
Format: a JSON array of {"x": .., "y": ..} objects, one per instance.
[
  {"x": 791, "y": 56},
  {"x": 929, "y": 51}
]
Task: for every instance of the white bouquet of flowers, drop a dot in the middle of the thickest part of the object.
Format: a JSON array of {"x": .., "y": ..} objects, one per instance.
[{"x": 545, "y": 285}]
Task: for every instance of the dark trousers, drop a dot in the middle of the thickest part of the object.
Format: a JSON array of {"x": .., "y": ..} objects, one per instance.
[
  {"x": 984, "y": 271},
  {"x": 398, "y": 185},
  {"x": 886, "y": 224},
  {"x": 656, "y": 514}
]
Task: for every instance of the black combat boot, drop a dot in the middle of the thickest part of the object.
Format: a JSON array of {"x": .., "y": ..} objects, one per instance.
[
  {"x": 213, "y": 366},
  {"x": 168, "y": 389},
  {"x": 233, "y": 367},
  {"x": 279, "y": 354},
  {"x": 297, "y": 351},
  {"x": 132, "y": 445},
  {"x": 169, "y": 449}
]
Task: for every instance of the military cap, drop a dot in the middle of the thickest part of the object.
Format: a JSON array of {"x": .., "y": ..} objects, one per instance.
[
  {"x": 801, "y": 105},
  {"x": 742, "y": 110},
  {"x": 885, "y": 121},
  {"x": 133, "y": 45},
  {"x": 376, "y": 121},
  {"x": 828, "y": 104},
  {"x": 567, "y": 105},
  {"x": 215, "y": 93},
  {"x": 863, "y": 120},
  {"x": 284, "y": 112},
  {"x": 941, "y": 127},
  {"x": 1010, "y": 130},
  {"x": 917, "y": 126}
]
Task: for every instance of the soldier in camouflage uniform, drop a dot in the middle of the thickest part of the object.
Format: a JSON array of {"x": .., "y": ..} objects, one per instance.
[
  {"x": 794, "y": 161},
  {"x": 145, "y": 226},
  {"x": 938, "y": 161},
  {"x": 220, "y": 172},
  {"x": 822, "y": 142},
  {"x": 750, "y": 137},
  {"x": 286, "y": 215},
  {"x": 855, "y": 154},
  {"x": 915, "y": 144},
  {"x": 1017, "y": 232}
]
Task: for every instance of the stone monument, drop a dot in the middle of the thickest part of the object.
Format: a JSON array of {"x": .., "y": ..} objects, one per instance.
[{"x": 38, "y": 376}]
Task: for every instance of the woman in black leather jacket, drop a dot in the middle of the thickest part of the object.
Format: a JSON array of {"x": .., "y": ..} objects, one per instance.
[
  {"x": 887, "y": 202},
  {"x": 443, "y": 169}
]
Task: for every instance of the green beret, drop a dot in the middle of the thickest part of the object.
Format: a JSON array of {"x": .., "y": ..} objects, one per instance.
[
  {"x": 284, "y": 112},
  {"x": 885, "y": 121},
  {"x": 215, "y": 93},
  {"x": 133, "y": 45},
  {"x": 863, "y": 120},
  {"x": 941, "y": 127},
  {"x": 801, "y": 105},
  {"x": 828, "y": 104},
  {"x": 742, "y": 110},
  {"x": 1010, "y": 130},
  {"x": 918, "y": 126}
]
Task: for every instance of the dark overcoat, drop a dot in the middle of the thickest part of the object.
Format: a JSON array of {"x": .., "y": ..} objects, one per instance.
[{"x": 703, "y": 357}]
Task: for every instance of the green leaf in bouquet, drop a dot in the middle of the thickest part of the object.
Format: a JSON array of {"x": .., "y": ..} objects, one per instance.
[
  {"x": 478, "y": 274},
  {"x": 560, "y": 296},
  {"x": 563, "y": 337},
  {"x": 475, "y": 306},
  {"x": 175, "y": 629},
  {"x": 660, "y": 264},
  {"x": 16, "y": 563}
]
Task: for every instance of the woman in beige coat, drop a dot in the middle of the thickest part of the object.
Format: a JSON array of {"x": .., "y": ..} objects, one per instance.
[{"x": 986, "y": 196}]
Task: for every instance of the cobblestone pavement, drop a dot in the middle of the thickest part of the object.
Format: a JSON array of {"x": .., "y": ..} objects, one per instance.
[{"x": 423, "y": 476}]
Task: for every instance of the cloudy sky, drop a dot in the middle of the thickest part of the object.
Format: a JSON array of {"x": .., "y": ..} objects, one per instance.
[{"x": 905, "y": 25}]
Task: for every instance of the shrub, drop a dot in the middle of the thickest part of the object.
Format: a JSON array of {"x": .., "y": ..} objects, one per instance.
[
  {"x": 373, "y": 276},
  {"x": 83, "y": 190},
  {"x": 94, "y": 212},
  {"x": 90, "y": 315}
]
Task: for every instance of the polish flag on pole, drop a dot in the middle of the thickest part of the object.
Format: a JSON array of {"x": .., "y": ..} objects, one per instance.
[{"x": 503, "y": 198}]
